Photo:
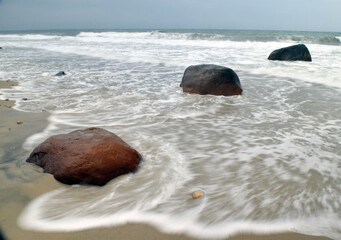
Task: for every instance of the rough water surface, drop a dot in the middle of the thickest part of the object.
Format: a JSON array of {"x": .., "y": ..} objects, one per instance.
[{"x": 267, "y": 161}]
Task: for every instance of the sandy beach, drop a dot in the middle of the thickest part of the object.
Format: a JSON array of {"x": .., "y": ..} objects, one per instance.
[{"x": 22, "y": 182}]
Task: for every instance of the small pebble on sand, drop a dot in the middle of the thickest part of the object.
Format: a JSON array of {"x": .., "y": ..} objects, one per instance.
[{"x": 197, "y": 194}]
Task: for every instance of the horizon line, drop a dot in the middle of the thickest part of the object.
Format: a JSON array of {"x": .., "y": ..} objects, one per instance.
[{"x": 162, "y": 29}]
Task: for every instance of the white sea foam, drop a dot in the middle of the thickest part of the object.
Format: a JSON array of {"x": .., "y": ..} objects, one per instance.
[
  {"x": 143, "y": 47},
  {"x": 267, "y": 161},
  {"x": 32, "y": 219},
  {"x": 29, "y": 37}
]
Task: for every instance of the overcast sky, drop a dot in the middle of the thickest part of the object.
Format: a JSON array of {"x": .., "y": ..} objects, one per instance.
[{"x": 309, "y": 15}]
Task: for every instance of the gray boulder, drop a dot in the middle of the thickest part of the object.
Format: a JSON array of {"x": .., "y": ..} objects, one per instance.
[
  {"x": 293, "y": 53},
  {"x": 211, "y": 79}
]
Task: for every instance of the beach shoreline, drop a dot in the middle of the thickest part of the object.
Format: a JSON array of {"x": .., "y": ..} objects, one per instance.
[{"x": 22, "y": 182}]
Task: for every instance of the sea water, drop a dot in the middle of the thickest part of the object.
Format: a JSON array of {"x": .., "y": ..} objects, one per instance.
[{"x": 268, "y": 161}]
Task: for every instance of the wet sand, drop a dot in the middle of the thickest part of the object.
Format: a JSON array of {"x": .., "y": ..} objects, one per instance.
[
  {"x": 22, "y": 182},
  {"x": 7, "y": 103}
]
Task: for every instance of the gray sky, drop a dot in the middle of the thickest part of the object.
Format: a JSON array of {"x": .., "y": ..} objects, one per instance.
[{"x": 309, "y": 15}]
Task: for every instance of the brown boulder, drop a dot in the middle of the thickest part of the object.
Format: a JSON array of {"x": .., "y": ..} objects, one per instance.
[{"x": 90, "y": 156}]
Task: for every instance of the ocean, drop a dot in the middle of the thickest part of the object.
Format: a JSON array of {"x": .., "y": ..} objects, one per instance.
[{"x": 268, "y": 161}]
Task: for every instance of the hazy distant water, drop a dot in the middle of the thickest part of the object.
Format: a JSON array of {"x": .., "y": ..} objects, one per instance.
[{"x": 269, "y": 160}]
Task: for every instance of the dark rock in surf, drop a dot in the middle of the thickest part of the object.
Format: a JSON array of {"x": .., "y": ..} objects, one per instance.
[
  {"x": 293, "y": 53},
  {"x": 0, "y": 48},
  {"x": 61, "y": 73},
  {"x": 91, "y": 156},
  {"x": 211, "y": 79}
]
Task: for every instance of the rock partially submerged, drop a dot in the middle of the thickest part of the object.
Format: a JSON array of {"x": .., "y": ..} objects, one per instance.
[
  {"x": 211, "y": 79},
  {"x": 61, "y": 73},
  {"x": 293, "y": 53},
  {"x": 91, "y": 156}
]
